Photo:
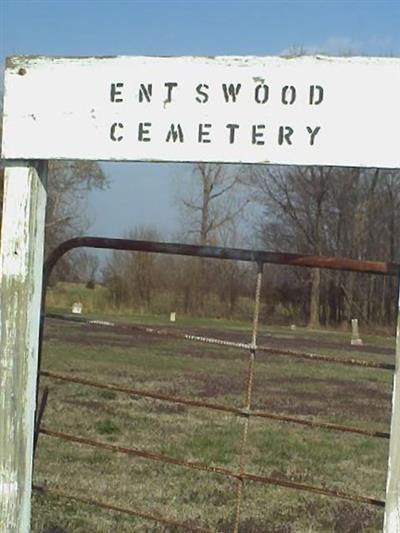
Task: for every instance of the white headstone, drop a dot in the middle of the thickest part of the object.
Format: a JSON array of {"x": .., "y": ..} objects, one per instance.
[
  {"x": 355, "y": 334},
  {"x": 172, "y": 317},
  {"x": 77, "y": 308}
]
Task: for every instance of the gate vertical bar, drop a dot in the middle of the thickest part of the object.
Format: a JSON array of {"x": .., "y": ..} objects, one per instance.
[
  {"x": 21, "y": 263},
  {"x": 392, "y": 508}
]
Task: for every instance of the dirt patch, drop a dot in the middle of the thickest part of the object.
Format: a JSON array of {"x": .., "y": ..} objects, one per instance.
[
  {"x": 348, "y": 518},
  {"x": 350, "y": 397},
  {"x": 293, "y": 395},
  {"x": 213, "y": 386},
  {"x": 284, "y": 341},
  {"x": 343, "y": 518},
  {"x": 355, "y": 398},
  {"x": 90, "y": 405},
  {"x": 127, "y": 335},
  {"x": 87, "y": 338},
  {"x": 252, "y": 525},
  {"x": 168, "y": 408},
  {"x": 296, "y": 342}
]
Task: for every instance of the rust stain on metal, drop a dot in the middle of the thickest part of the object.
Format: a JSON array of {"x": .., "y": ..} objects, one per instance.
[
  {"x": 266, "y": 480},
  {"x": 112, "y": 507},
  {"x": 217, "y": 252},
  {"x": 39, "y": 417},
  {"x": 214, "y": 406},
  {"x": 248, "y": 399}
]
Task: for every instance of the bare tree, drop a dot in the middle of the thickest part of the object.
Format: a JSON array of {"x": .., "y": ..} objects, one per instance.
[
  {"x": 229, "y": 274},
  {"x": 295, "y": 200},
  {"x": 133, "y": 277},
  {"x": 211, "y": 202},
  {"x": 89, "y": 265},
  {"x": 68, "y": 185},
  {"x": 335, "y": 211}
]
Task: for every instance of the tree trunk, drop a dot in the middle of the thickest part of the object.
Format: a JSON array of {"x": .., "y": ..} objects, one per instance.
[
  {"x": 315, "y": 298},
  {"x": 348, "y": 301}
]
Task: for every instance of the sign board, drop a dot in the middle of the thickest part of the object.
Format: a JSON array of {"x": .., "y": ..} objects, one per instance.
[{"x": 304, "y": 110}]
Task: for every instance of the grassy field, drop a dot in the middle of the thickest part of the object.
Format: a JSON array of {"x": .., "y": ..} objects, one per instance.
[{"x": 327, "y": 392}]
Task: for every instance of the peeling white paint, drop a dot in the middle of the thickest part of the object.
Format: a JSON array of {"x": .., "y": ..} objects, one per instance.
[
  {"x": 7, "y": 489},
  {"x": 392, "y": 507},
  {"x": 21, "y": 263}
]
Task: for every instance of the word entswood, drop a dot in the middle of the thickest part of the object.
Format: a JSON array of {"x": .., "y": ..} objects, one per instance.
[{"x": 230, "y": 93}]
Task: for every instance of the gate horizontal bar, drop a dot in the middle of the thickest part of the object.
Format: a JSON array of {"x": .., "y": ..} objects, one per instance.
[
  {"x": 214, "y": 406},
  {"x": 326, "y": 358},
  {"x": 112, "y": 507},
  {"x": 228, "y": 344},
  {"x": 218, "y": 252},
  {"x": 215, "y": 469}
]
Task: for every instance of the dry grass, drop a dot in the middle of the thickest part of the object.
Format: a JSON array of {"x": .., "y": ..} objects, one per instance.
[{"x": 351, "y": 463}]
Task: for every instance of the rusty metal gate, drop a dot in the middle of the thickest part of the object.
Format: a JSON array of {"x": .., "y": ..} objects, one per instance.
[{"x": 246, "y": 412}]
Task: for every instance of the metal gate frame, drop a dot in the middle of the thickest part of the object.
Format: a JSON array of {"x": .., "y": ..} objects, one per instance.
[{"x": 240, "y": 475}]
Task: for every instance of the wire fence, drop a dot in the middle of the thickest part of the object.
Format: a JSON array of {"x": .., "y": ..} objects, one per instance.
[{"x": 240, "y": 475}]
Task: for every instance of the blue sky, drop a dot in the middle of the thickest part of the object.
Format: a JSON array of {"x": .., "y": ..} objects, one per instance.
[{"x": 144, "y": 193}]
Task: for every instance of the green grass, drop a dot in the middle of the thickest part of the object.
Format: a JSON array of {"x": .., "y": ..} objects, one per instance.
[
  {"x": 106, "y": 427},
  {"x": 328, "y": 392}
]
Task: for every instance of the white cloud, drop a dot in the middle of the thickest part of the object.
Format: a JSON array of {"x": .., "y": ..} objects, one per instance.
[{"x": 345, "y": 46}]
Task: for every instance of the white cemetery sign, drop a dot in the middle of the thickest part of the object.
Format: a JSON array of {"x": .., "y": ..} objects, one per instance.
[
  {"x": 304, "y": 111},
  {"x": 292, "y": 111}
]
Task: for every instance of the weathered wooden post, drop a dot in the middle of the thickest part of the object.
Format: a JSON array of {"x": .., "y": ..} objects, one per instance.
[
  {"x": 392, "y": 509},
  {"x": 21, "y": 263}
]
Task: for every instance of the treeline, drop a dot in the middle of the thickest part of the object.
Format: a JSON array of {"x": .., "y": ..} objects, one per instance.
[
  {"x": 312, "y": 210},
  {"x": 339, "y": 212},
  {"x": 164, "y": 283}
]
